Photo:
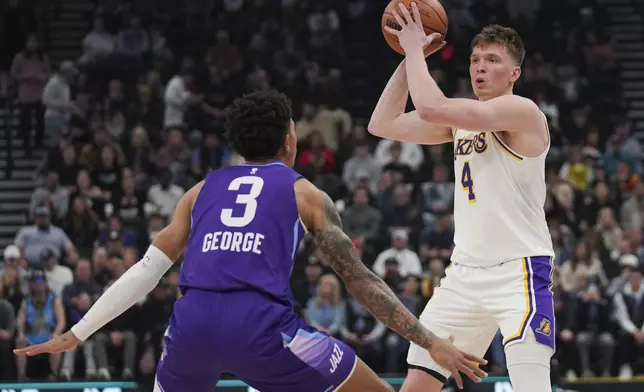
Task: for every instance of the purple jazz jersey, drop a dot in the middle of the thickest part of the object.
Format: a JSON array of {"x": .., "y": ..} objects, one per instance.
[{"x": 236, "y": 313}]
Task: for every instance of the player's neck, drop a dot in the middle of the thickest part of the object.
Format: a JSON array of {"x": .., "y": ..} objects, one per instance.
[
  {"x": 489, "y": 97},
  {"x": 261, "y": 161}
]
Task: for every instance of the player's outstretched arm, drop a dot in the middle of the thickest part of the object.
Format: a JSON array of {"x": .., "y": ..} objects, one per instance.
[
  {"x": 320, "y": 216},
  {"x": 133, "y": 285},
  {"x": 390, "y": 121}
]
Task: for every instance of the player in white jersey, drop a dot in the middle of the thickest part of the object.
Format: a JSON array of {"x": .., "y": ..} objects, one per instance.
[{"x": 500, "y": 274}]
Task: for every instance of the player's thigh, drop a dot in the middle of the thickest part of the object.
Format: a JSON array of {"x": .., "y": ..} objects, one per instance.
[
  {"x": 181, "y": 370},
  {"x": 419, "y": 380},
  {"x": 364, "y": 379},
  {"x": 309, "y": 361},
  {"x": 528, "y": 363},
  {"x": 524, "y": 302},
  {"x": 453, "y": 311}
]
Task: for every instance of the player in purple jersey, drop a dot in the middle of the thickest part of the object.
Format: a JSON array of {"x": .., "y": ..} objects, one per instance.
[{"x": 239, "y": 229}]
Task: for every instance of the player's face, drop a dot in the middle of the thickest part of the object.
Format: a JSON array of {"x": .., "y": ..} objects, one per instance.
[{"x": 493, "y": 71}]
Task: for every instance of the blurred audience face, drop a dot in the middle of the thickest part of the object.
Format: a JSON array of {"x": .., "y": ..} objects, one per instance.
[
  {"x": 581, "y": 252},
  {"x": 361, "y": 151},
  {"x": 128, "y": 185},
  {"x": 396, "y": 151},
  {"x": 116, "y": 224},
  {"x": 410, "y": 286},
  {"x": 601, "y": 192},
  {"x": 329, "y": 288},
  {"x": 32, "y": 43},
  {"x": 115, "y": 90},
  {"x": 437, "y": 268},
  {"x": 10, "y": 277},
  {"x": 83, "y": 271},
  {"x": 79, "y": 207},
  {"x": 623, "y": 171},
  {"x": 99, "y": 259},
  {"x": 52, "y": 179},
  {"x": 43, "y": 221},
  {"x": 175, "y": 137},
  {"x": 606, "y": 218},
  {"x": 313, "y": 271},
  {"x": 130, "y": 257},
  {"x": 211, "y": 141},
  {"x": 38, "y": 287},
  {"x": 101, "y": 137},
  {"x": 139, "y": 137},
  {"x": 360, "y": 197},
  {"x": 440, "y": 174},
  {"x": 308, "y": 111},
  {"x": 108, "y": 157},
  {"x": 401, "y": 195},
  {"x": 636, "y": 280},
  {"x": 399, "y": 240},
  {"x": 69, "y": 155},
  {"x": 83, "y": 180}
]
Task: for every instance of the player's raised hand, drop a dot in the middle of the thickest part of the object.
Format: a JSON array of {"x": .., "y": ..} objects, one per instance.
[
  {"x": 58, "y": 344},
  {"x": 411, "y": 34},
  {"x": 456, "y": 361}
]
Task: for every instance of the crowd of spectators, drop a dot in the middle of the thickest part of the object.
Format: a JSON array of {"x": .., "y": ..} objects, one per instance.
[{"x": 136, "y": 120}]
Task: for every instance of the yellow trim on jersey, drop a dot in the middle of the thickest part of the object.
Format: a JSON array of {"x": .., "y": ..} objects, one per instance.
[
  {"x": 526, "y": 316},
  {"x": 506, "y": 148}
]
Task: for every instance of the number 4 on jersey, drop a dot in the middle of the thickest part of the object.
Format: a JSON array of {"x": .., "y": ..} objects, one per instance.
[{"x": 467, "y": 182}]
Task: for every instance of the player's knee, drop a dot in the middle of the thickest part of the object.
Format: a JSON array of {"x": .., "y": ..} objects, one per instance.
[{"x": 529, "y": 352}]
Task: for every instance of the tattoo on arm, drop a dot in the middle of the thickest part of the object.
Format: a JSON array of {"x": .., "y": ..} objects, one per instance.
[{"x": 371, "y": 291}]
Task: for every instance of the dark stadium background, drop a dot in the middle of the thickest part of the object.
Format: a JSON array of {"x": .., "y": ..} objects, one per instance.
[{"x": 136, "y": 156}]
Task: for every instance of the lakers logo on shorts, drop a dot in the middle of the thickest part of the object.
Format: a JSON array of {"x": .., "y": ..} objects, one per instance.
[{"x": 545, "y": 328}]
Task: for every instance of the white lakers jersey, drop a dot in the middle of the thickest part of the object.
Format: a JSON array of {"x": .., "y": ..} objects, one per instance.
[{"x": 498, "y": 202}]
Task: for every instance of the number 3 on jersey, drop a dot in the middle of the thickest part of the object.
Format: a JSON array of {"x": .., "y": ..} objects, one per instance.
[
  {"x": 467, "y": 182},
  {"x": 248, "y": 200}
]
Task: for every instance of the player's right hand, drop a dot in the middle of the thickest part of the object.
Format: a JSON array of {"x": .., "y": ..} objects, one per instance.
[
  {"x": 456, "y": 361},
  {"x": 58, "y": 344}
]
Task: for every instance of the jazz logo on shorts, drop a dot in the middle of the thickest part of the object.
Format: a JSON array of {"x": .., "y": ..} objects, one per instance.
[
  {"x": 545, "y": 328},
  {"x": 336, "y": 358}
]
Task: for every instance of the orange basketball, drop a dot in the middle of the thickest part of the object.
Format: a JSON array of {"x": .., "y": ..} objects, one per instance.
[{"x": 432, "y": 15}]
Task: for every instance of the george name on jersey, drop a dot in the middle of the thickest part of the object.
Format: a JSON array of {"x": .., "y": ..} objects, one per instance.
[
  {"x": 477, "y": 144},
  {"x": 233, "y": 242}
]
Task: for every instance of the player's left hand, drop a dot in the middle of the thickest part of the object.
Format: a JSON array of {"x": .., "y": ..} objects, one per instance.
[
  {"x": 58, "y": 344},
  {"x": 456, "y": 361},
  {"x": 411, "y": 36}
]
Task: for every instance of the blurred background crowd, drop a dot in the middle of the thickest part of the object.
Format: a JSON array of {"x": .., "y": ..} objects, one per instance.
[{"x": 105, "y": 130}]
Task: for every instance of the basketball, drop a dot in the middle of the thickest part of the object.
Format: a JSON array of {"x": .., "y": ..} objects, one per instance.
[{"x": 432, "y": 15}]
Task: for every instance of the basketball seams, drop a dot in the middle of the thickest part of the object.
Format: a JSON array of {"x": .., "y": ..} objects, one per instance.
[
  {"x": 436, "y": 22},
  {"x": 390, "y": 16}
]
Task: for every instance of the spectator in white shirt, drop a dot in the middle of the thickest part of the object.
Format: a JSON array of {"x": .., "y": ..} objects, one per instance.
[
  {"x": 58, "y": 276},
  {"x": 178, "y": 98},
  {"x": 97, "y": 44},
  {"x": 408, "y": 260},
  {"x": 56, "y": 97},
  {"x": 411, "y": 154},
  {"x": 165, "y": 196}
]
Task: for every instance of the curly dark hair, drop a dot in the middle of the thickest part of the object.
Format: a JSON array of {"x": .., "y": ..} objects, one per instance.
[
  {"x": 504, "y": 36},
  {"x": 257, "y": 124}
]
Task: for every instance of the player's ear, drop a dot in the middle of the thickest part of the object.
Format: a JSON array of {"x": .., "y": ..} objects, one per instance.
[{"x": 516, "y": 74}]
